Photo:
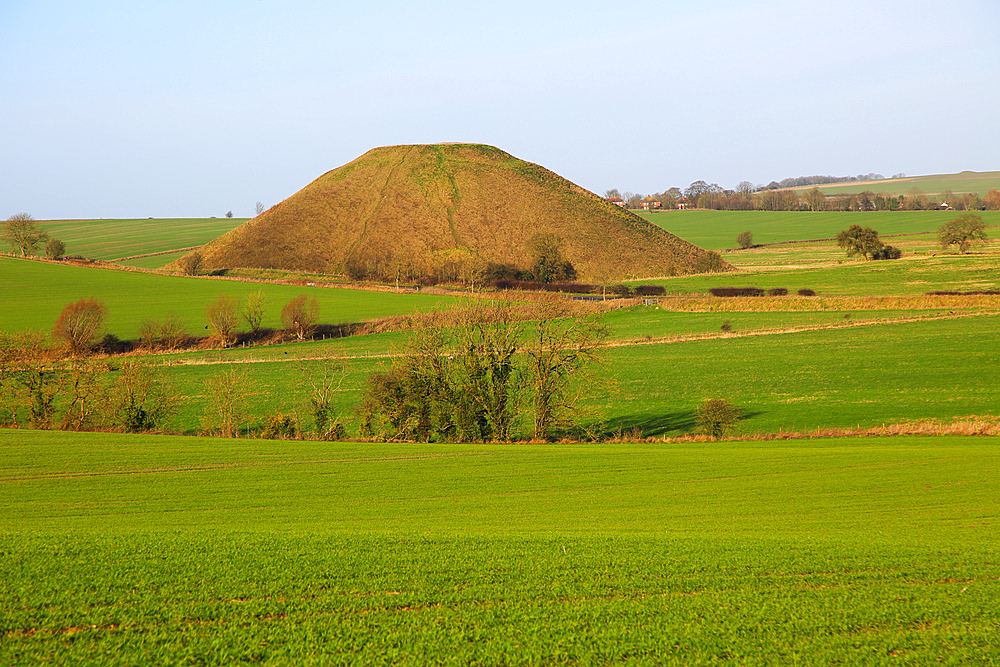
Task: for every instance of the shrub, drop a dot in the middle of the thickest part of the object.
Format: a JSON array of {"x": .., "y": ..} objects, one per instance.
[
  {"x": 806, "y": 292},
  {"x": 299, "y": 316},
  {"x": 736, "y": 291},
  {"x": 650, "y": 290},
  {"x": 191, "y": 263},
  {"x": 716, "y": 417},
  {"x": 79, "y": 323},
  {"x": 223, "y": 317},
  {"x": 777, "y": 291},
  {"x": 280, "y": 427},
  {"x": 745, "y": 240},
  {"x": 55, "y": 249},
  {"x": 709, "y": 262},
  {"x": 887, "y": 252}
]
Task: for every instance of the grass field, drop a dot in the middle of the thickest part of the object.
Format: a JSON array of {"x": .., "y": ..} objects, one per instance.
[
  {"x": 111, "y": 239},
  {"x": 126, "y": 550},
  {"x": 978, "y": 182},
  {"x": 717, "y": 230},
  {"x": 37, "y": 291}
]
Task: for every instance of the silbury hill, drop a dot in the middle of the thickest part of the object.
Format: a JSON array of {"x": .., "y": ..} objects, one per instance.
[{"x": 448, "y": 212}]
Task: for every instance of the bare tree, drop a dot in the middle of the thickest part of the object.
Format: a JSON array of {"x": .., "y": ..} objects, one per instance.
[
  {"x": 325, "y": 379},
  {"x": 191, "y": 263},
  {"x": 79, "y": 324},
  {"x": 253, "y": 310},
  {"x": 22, "y": 233},
  {"x": 139, "y": 399},
  {"x": 223, "y": 318},
  {"x": 299, "y": 316},
  {"x": 559, "y": 347},
  {"x": 228, "y": 407},
  {"x": 259, "y": 208}
]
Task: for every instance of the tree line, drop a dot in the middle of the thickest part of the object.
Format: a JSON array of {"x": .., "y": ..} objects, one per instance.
[{"x": 747, "y": 197}]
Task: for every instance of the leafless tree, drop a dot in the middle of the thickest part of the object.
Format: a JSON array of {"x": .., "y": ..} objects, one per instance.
[
  {"x": 79, "y": 324},
  {"x": 299, "y": 316},
  {"x": 223, "y": 318}
]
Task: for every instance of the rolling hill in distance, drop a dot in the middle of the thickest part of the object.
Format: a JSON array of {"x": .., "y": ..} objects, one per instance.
[
  {"x": 444, "y": 210},
  {"x": 975, "y": 182}
]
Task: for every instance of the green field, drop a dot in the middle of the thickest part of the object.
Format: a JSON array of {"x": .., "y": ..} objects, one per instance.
[
  {"x": 717, "y": 230},
  {"x": 978, "y": 182},
  {"x": 111, "y": 239},
  {"x": 37, "y": 291},
  {"x": 140, "y": 550}
]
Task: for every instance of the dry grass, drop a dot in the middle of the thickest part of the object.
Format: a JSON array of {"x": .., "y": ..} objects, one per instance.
[
  {"x": 446, "y": 211},
  {"x": 708, "y": 304}
]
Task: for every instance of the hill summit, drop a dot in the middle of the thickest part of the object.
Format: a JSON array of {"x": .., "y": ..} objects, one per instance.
[{"x": 449, "y": 212}]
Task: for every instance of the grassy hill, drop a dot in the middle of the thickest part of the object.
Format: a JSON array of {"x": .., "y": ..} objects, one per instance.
[
  {"x": 446, "y": 210},
  {"x": 977, "y": 182}
]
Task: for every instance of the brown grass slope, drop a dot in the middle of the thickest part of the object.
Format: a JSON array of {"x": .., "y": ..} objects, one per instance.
[{"x": 446, "y": 210}]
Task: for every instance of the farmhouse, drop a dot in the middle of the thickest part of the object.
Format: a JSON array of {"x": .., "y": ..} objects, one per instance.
[
  {"x": 617, "y": 201},
  {"x": 650, "y": 203},
  {"x": 683, "y": 202}
]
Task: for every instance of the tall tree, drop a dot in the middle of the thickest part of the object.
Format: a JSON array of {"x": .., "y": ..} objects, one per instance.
[
  {"x": 964, "y": 231},
  {"x": 22, "y": 233},
  {"x": 859, "y": 240}
]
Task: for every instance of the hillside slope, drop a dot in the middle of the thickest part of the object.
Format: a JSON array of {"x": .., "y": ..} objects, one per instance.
[{"x": 446, "y": 211}]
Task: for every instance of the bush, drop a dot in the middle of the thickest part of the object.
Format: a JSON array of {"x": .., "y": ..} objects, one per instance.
[
  {"x": 191, "y": 263},
  {"x": 280, "y": 427},
  {"x": 55, "y": 249},
  {"x": 777, "y": 291},
  {"x": 806, "y": 292},
  {"x": 650, "y": 290},
  {"x": 223, "y": 318},
  {"x": 299, "y": 316},
  {"x": 709, "y": 262},
  {"x": 717, "y": 417},
  {"x": 736, "y": 291},
  {"x": 745, "y": 240},
  {"x": 887, "y": 252},
  {"x": 79, "y": 323}
]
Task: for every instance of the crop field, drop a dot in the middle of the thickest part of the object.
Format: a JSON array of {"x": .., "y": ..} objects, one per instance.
[
  {"x": 717, "y": 230},
  {"x": 35, "y": 293},
  {"x": 978, "y": 182},
  {"x": 911, "y": 275},
  {"x": 112, "y": 239},
  {"x": 149, "y": 549}
]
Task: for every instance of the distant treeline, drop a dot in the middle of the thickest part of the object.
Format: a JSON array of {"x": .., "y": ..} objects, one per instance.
[
  {"x": 748, "y": 197},
  {"x": 804, "y": 181}
]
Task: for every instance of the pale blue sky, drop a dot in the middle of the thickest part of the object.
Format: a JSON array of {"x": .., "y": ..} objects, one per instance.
[{"x": 189, "y": 109}]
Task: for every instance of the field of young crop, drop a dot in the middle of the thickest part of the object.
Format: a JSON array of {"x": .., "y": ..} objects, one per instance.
[
  {"x": 111, "y": 239},
  {"x": 146, "y": 549},
  {"x": 717, "y": 230},
  {"x": 36, "y": 292},
  {"x": 911, "y": 275},
  {"x": 978, "y": 182}
]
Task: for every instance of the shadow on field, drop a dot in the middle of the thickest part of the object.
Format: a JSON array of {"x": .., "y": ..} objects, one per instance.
[{"x": 671, "y": 423}]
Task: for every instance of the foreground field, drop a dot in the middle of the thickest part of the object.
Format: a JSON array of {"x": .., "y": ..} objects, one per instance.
[{"x": 125, "y": 549}]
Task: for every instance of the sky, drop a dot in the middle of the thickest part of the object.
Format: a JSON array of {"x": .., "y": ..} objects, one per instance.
[{"x": 195, "y": 108}]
